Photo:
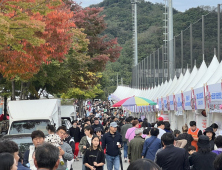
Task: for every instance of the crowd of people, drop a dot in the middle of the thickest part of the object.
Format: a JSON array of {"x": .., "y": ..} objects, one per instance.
[{"x": 100, "y": 137}]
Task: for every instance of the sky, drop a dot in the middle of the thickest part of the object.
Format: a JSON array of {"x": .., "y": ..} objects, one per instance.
[{"x": 177, "y": 4}]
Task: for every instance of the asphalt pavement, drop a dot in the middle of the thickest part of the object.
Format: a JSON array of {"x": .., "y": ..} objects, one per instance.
[{"x": 77, "y": 165}]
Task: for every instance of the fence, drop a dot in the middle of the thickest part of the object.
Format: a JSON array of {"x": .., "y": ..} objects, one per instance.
[{"x": 191, "y": 46}]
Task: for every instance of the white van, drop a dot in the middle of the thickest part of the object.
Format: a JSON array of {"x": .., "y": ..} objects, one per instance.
[{"x": 29, "y": 115}]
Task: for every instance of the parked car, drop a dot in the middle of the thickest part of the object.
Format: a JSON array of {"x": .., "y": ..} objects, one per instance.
[{"x": 23, "y": 141}]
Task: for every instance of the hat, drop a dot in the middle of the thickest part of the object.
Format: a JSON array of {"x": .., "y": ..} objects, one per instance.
[
  {"x": 98, "y": 129},
  {"x": 160, "y": 118},
  {"x": 203, "y": 142},
  {"x": 140, "y": 120},
  {"x": 113, "y": 124},
  {"x": 209, "y": 129}
]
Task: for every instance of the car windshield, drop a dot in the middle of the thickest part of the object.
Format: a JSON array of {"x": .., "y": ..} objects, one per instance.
[
  {"x": 23, "y": 143},
  {"x": 28, "y": 126}
]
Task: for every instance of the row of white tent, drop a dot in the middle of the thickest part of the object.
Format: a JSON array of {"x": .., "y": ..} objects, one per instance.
[{"x": 199, "y": 89}]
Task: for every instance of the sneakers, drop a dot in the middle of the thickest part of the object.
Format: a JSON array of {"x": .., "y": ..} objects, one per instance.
[{"x": 125, "y": 159}]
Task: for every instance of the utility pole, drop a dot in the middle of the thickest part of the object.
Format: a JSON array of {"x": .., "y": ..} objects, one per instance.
[
  {"x": 134, "y": 13},
  {"x": 170, "y": 38}
]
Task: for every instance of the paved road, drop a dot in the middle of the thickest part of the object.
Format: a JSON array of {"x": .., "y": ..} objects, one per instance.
[{"x": 78, "y": 165}]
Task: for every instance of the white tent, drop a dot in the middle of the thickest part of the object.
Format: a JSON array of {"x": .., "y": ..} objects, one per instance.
[
  {"x": 200, "y": 74},
  {"x": 211, "y": 69},
  {"x": 177, "y": 83},
  {"x": 216, "y": 76},
  {"x": 192, "y": 76},
  {"x": 185, "y": 79}
]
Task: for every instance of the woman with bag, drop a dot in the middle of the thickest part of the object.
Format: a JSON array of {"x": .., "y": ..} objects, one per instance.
[
  {"x": 151, "y": 145},
  {"x": 94, "y": 157}
]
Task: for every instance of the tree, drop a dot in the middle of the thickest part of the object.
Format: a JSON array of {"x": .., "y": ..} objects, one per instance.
[
  {"x": 101, "y": 48},
  {"x": 51, "y": 42}
]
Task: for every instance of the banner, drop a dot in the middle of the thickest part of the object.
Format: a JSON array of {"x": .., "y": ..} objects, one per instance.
[
  {"x": 193, "y": 101},
  {"x": 214, "y": 97},
  {"x": 171, "y": 102},
  {"x": 165, "y": 104},
  {"x": 168, "y": 102},
  {"x": 199, "y": 95},
  {"x": 187, "y": 97},
  {"x": 179, "y": 110},
  {"x": 165, "y": 116}
]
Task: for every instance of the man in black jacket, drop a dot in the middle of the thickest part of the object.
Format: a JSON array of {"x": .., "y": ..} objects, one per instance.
[
  {"x": 97, "y": 124},
  {"x": 70, "y": 140},
  {"x": 171, "y": 157},
  {"x": 112, "y": 141}
]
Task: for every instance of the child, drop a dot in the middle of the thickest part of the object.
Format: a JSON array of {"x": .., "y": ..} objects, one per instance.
[
  {"x": 94, "y": 157},
  {"x": 54, "y": 139},
  {"x": 191, "y": 150}
]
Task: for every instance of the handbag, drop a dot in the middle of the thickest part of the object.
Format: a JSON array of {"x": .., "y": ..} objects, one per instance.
[{"x": 149, "y": 146}]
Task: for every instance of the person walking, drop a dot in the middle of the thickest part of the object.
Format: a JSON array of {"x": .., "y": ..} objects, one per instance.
[
  {"x": 94, "y": 158},
  {"x": 74, "y": 132},
  {"x": 185, "y": 136},
  {"x": 70, "y": 140},
  {"x": 151, "y": 145},
  {"x": 171, "y": 157},
  {"x": 8, "y": 162},
  {"x": 143, "y": 164},
  {"x": 43, "y": 160},
  {"x": 130, "y": 133},
  {"x": 65, "y": 149},
  {"x": 211, "y": 135},
  {"x": 112, "y": 141},
  {"x": 161, "y": 127},
  {"x": 203, "y": 159},
  {"x": 136, "y": 146},
  {"x": 123, "y": 133},
  {"x": 218, "y": 142},
  {"x": 97, "y": 124},
  {"x": 195, "y": 132},
  {"x": 38, "y": 138},
  {"x": 86, "y": 142}
]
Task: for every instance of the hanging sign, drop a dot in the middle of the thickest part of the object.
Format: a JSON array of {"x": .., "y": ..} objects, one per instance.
[
  {"x": 179, "y": 109},
  {"x": 187, "y": 98},
  {"x": 165, "y": 116},
  {"x": 165, "y": 104},
  {"x": 199, "y": 95},
  {"x": 171, "y": 102},
  {"x": 168, "y": 102}
]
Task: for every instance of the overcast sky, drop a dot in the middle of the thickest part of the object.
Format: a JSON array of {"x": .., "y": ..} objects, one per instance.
[{"x": 178, "y": 4}]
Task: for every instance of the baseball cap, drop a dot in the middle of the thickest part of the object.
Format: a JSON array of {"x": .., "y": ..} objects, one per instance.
[
  {"x": 160, "y": 118},
  {"x": 113, "y": 124}
]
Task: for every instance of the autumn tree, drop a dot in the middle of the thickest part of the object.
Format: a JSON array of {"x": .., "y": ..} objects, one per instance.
[
  {"x": 100, "y": 49},
  {"x": 51, "y": 42}
]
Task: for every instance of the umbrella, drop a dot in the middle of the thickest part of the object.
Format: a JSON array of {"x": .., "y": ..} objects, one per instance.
[{"x": 134, "y": 101}]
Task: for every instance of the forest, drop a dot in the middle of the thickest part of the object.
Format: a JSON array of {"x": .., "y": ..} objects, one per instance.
[{"x": 118, "y": 17}]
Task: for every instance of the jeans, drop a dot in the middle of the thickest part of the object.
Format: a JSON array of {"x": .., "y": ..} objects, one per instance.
[
  {"x": 112, "y": 161},
  {"x": 125, "y": 149}
]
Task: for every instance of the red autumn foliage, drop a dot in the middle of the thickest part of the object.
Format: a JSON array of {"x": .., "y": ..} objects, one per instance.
[
  {"x": 57, "y": 36},
  {"x": 101, "y": 48}
]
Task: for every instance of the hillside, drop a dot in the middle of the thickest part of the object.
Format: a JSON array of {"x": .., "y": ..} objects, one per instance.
[{"x": 150, "y": 34}]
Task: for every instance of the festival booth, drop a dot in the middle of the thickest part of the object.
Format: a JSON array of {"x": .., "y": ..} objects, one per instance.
[{"x": 194, "y": 96}]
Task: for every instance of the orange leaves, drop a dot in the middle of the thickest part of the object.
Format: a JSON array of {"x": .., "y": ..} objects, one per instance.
[{"x": 41, "y": 38}]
